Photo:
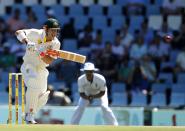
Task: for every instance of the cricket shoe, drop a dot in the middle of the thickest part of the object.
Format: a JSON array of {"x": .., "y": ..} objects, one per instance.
[{"x": 29, "y": 118}]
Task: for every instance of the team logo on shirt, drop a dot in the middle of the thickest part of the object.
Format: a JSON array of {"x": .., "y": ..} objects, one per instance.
[
  {"x": 95, "y": 86},
  {"x": 39, "y": 41}
]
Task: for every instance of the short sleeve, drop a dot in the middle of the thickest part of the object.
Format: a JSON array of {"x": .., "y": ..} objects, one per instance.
[
  {"x": 32, "y": 34},
  {"x": 103, "y": 84},
  {"x": 56, "y": 45},
  {"x": 80, "y": 87}
]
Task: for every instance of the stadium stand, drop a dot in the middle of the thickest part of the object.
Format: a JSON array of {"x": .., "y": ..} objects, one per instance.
[
  {"x": 119, "y": 99},
  {"x": 86, "y": 2},
  {"x": 177, "y": 99},
  {"x": 138, "y": 99},
  {"x": 158, "y": 100}
]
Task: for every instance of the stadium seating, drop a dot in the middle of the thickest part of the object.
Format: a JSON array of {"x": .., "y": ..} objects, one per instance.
[
  {"x": 5, "y": 76},
  {"x": 67, "y": 2},
  {"x": 99, "y": 22},
  {"x": 155, "y": 22},
  {"x": 114, "y": 10},
  {"x": 48, "y": 2},
  {"x": 108, "y": 34},
  {"x": 138, "y": 99},
  {"x": 30, "y": 2},
  {"x": 177, "y": 99},
  {"x": 20, "y": 7},
  {"x": 4, "y": 98},
  {"x": 7, "y": 2},
  {"x": 173, "y": 55},
  {"x": 166, "y": 78},
  {"x": 159, "y": 87},
  {"x": 158, "y": 100},
  {"x": 2, "y": 87},
  {"x": 64, "y": 19},
  {"x": 178, "y": 88},
  {"x": 158, "y": 2},
  {"x": 118, "y": 88},
  {"x": 95, "y": 10},
  {"x": 2, "y": 9},
  {"x": 121, "y": 2},
  {"x": 168, "y": 64},
  {"x": 75, "y": 10},
  {"x": 105, "y": 2},
  {"x": 58, "y": 10},
  {"x": 40, "y": 10},
  {"x": 181, "y": 78},
  {"x": 40, "y": 13},
  {"x": 174, "y": 21},
  {"x": 135, "y": 23},
  {"x": 86, "y": 2},
  {"x": 80, "y": 22},
  {"x": 117, "y": 22},
  {"x": 153, "y": 10},
  {"x": 22, "y": 10},
  {"x": 69, "y": 45},
  {"x": 119, "y": 99}
]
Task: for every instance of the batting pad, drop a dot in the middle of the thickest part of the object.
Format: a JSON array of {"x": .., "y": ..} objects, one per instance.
[
  {"x": 32, "y": 96},
  {"x": 42, "y": 100}
]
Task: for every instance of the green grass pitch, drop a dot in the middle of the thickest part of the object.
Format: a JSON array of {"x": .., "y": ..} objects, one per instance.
[{"x": 87, "y": 128}]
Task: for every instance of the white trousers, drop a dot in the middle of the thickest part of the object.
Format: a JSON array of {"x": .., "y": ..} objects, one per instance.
[
  {"x": 36, "y": 81},
  {"x": 108, "y": 115}
]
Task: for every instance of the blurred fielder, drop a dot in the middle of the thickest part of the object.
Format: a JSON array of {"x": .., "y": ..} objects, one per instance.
[
  {"x": 92, "y": 86},
  {"x": 34, "y": 66}
]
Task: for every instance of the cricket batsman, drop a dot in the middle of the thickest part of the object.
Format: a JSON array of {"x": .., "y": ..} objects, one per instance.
[{"x": 35, "y": 62}]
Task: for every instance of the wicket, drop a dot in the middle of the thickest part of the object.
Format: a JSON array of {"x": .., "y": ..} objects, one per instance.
[{"x": 16, "y": 76}]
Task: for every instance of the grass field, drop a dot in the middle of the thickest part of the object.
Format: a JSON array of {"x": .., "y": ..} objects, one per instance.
[{"x": 86, "y": 128}]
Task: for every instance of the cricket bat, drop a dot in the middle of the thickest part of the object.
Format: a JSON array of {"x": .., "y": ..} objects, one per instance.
[{"x": 67, "y": 55}]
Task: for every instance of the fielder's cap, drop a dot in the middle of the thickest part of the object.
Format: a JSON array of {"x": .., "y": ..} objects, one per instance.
[
  {"x": 52, "y": 23},
  {"x": 88, "y": 66}
]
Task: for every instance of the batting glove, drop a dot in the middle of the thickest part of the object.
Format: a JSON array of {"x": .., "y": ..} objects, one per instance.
[
  {"x": 41, "y": 51},
  {"x": 31, "y": 46},
  {"x": 90, "y": 98}
]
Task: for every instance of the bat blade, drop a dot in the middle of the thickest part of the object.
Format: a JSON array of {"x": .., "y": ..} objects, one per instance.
[{"x": 67, "y": 55}]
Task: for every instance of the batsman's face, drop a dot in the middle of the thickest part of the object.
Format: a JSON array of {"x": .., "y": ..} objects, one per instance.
[{"x": 52, "y": 33}]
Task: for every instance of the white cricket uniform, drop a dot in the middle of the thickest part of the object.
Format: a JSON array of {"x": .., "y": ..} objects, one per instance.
[
  {"x": 34, "y": 70},
  {"x": 85, "y": 86}
]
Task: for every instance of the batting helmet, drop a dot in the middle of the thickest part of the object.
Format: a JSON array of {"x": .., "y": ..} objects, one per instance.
[{"x": 52, "y": 23}]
